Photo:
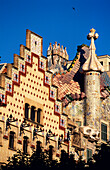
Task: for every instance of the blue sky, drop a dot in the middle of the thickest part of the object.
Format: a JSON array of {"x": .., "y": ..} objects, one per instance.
[{"x": 54, "y": 21}]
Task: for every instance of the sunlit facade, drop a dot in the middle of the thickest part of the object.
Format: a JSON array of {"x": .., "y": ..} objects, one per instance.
[{"x": 53, "y": 102}]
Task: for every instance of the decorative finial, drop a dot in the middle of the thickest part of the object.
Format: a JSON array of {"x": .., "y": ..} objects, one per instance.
[
  {"x": 92, "y": 63},
  {"x": 92, "y": 34}
]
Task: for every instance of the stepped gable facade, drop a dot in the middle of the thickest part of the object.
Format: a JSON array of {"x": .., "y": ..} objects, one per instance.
[{"x": 43, "y": 101}]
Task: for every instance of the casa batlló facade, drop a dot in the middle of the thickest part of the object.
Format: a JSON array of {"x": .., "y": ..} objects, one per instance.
[{"x": 53, "y": 102}]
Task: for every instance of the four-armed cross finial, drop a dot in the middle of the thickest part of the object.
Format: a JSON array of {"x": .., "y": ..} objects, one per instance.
[
  {"x": 92, "y": 34},
  {"x": 92, "y": 62}
]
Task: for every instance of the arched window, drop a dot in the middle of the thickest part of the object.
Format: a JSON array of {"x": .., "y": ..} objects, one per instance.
[
  {"x": 32, "y": 113},
  {"x": 64, "y": 155},
  {"x": 38, "y": 148},
  {"x": 25, "y": 144},
  {"x": 11, "y": 140},
  {"x": 26, "y": 110},
  {"x": 50, "y": 152},
  {"x": 38, "y": 115}
]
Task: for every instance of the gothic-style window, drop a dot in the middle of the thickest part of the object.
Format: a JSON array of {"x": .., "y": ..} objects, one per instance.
[
  {"x": 38, "y": 115},
  {"x": 26, "y": 110},
  {"x": 104, "y": 132},
  {"x": 9, "y": 87},
  {"x": 11, "y": 140},
  {"x": 25, "y": 144},
  {"x": 89, "y": 154},
  {"x": 32, "y": 113},
  {"x": 50, "y": 152}
]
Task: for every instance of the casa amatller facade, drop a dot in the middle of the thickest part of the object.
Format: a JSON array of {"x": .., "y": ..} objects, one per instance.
[{"x": 54, "y": 102}]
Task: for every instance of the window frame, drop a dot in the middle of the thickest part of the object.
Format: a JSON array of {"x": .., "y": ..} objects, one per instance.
[
  {"x": 41, "y": 64},
  {"x": 27, "y": 111},
  {"x": 89, "y": 154},
  {"x": 2, "y": 98},
  {"x": 11, "y": 140},
  {"x": 39, "y": 116},
  {"x": 51, "y": 148},
  {"x": 62, "y": 122},
  {"x": 52, "y": 95},
  {"x": 15, "y": 78},
  {"x": 25, "y": 139},
  {"x": 21, "y": 68},
  {"x": 9, "y": 87},
  {"x": 57, "y": 108},
  {"x": 46, "y": 79},
  {"x": 27, "y": 58},
  {"x": 103, "y": 133},
  {"x": 32, "y": 113}
]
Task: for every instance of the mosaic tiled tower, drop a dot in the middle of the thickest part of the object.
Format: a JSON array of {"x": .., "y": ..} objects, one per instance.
[{"x": 92, "y": 69}]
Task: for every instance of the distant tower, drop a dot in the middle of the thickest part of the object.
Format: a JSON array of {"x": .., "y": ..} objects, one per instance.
[
  {"x": 57, "y": 57},
  {"x": 92, "y": 69}
]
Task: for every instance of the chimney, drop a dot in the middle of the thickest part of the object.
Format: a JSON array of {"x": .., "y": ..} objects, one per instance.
[
  {"x": 2, "y": 80},
  {"x": 9, "y": 70},
  {"x": 28, "y": 38},
  {"x": 16, "y": 60},
  {"x": 22, "y": 52}
]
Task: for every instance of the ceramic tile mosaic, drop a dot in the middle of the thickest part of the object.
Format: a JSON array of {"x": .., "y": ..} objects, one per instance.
[
  {"x": 105, "y": 109},
  {"x": 92, "y": 90}
]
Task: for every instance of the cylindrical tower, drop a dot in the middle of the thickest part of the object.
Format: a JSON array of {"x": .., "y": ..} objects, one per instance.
[{"x": 92, "y": 69}]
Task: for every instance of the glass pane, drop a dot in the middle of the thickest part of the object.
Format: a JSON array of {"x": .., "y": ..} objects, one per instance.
[
  {"x": 103, "y": 131},
  {"x": 33, "y": 113}
]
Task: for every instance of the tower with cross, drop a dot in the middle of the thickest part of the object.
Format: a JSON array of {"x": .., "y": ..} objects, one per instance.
[{"x": 92, "y": 70}]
